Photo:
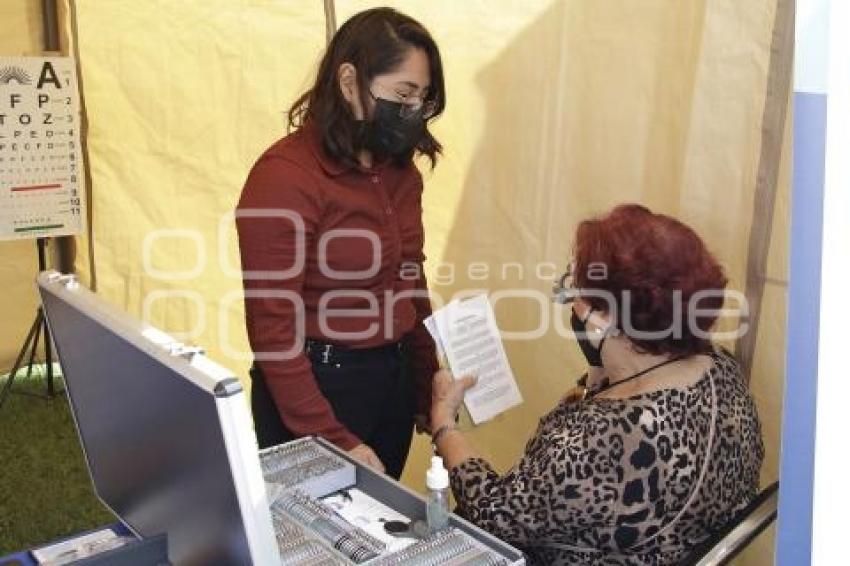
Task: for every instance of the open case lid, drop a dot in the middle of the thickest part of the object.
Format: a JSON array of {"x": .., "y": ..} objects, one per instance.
[{"x": 165, "y": 431}]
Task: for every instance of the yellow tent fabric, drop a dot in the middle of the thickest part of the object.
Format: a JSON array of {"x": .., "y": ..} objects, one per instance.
[
  {"x": 183, "y": 97},
  {"x": 557, "y": 110}
]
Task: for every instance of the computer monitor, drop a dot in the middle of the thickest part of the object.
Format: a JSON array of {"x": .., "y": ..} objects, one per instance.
[{"x": 166, "y": 432}]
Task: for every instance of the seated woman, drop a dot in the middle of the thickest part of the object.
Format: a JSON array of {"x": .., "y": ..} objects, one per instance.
[{"x": 664, "y": 445}]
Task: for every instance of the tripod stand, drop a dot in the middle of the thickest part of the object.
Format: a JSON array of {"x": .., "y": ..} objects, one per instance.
[{"x": 39, "y": 327}]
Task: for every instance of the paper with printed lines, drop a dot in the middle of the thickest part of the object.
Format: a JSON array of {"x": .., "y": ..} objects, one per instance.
[{"x": 467, "y": 337}]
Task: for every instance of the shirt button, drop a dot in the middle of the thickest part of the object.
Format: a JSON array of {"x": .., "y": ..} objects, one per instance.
[
  {"x": 376, "y": 179},
  {"x": 389, "y": 211}
]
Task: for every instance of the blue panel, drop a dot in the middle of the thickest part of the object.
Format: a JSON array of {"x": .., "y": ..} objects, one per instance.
[{"x": 794, "y": 537}]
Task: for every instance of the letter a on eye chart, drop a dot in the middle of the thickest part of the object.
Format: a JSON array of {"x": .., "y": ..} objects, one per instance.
[{"x": 467, "y": 337}]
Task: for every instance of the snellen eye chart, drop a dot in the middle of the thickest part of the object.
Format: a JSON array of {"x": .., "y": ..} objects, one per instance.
[{"x": 41, "y": 173}]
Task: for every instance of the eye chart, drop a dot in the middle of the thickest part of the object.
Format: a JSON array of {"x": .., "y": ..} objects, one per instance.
[{"x": 41, "y": 187}]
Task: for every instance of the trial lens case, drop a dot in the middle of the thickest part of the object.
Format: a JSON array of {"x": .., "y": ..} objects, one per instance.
[{"x": 169, "y": 444}]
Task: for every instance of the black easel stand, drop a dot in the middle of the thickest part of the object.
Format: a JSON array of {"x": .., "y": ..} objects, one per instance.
[{"x": 38, "y": 327}]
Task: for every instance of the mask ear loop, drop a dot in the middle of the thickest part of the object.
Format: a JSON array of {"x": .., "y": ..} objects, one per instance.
[{"x": 685, "y": 507}]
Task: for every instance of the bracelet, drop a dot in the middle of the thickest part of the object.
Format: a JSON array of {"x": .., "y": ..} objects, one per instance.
[{"x": 441, "y": 431}]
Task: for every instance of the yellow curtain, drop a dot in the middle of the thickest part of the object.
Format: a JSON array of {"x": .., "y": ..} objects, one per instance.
[
  {"x": 182, "y": 97},
  {"x": 557, "y": 110}
]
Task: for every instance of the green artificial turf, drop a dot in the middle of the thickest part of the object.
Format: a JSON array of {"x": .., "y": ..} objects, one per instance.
[{"x": 45, "y": 490}]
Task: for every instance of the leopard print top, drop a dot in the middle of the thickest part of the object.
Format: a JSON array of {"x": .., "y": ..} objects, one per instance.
[{"x": 600, "y": 477}]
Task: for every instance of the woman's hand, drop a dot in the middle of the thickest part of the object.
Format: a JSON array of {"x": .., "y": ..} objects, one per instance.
[
  {"x": 366, "y": 455},
  {"x": 446, "y": 397}
]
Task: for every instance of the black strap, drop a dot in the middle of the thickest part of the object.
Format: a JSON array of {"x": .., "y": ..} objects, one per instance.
[{"x": 607, "y": 386}]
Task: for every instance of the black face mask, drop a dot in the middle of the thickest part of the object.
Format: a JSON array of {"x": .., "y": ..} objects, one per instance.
[
  {"x": 387, "y": 134},
  {"x": 593, "y": 354}
]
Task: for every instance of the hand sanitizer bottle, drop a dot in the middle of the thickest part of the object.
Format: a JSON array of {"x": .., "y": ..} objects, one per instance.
[{"x": 437, "y": 480}]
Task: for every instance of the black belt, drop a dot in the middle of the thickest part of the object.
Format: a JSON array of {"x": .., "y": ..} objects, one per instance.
[{"x": 326, "y": 353}]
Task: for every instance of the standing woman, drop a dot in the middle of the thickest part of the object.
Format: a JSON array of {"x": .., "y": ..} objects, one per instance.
[{"x": 331, "y": 238}]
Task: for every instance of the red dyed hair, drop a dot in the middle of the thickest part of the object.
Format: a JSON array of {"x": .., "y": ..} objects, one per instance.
[{"x": 649, "y": 265}]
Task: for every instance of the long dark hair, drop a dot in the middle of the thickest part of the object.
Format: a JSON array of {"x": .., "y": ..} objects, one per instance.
[{"x": 376, "y": 42}]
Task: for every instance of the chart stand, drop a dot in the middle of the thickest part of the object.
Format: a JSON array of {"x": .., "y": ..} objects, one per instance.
[{"x": 30, "y": 347}]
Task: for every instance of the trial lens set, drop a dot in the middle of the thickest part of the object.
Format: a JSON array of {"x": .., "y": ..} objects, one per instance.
[{"x": 310, "y": 531}]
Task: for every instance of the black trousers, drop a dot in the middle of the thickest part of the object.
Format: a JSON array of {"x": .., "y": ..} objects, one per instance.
[{"x": 371, "y": 392}]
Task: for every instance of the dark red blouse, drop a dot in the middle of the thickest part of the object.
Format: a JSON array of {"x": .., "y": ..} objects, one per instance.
[{"x": 334, "y": 253}]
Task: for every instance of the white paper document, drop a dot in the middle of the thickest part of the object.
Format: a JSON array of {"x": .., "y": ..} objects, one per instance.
[{"x": 467, "y": 337}]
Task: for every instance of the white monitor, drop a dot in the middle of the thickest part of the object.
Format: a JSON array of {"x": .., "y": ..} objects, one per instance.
[{"x": 166, "y": 432}]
